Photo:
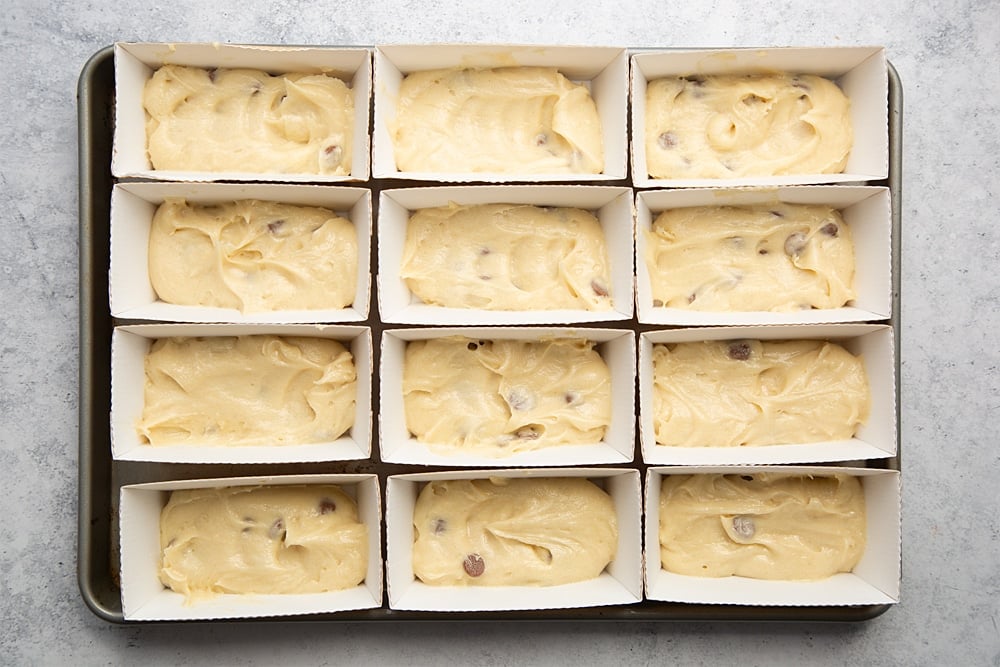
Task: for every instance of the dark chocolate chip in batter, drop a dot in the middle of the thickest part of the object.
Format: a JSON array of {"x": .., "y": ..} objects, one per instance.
[
  {"x": 327, "y": 506},
  {"x": 598, "y": 287},
  {"x": 667, "y": 140},
  {"x": 275, "y": 226},
  {"x": 830, "y": 229},
  {"x": 744, "y": 527},
  {"x": 277, "y": 530},
  {"x": 440, "y": 526},
  {"x": 472, "y": 346},
  {"x": 795, "y": 244},
  {"x": 527, "y": 433},
  {"x": 474, "y": 565},
  {"x": 739, "y": 351},
  {"x": 541, "y": 139}
]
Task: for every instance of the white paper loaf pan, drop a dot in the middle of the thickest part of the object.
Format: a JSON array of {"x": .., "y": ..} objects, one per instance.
[
  {"x": 874, "y": 580},
  {"x": 860, "y": 72},
  {"x": 145, "y": 598},
  {"x": 604, "y": 70},
  {"x": 136, "y": 62},
  {"x": 128, "y": 349},
  {"x": 619, "y": 584},
  {"x": 133, "y": 206}
]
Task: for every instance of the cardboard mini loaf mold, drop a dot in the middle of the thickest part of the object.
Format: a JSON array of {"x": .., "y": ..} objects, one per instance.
[
  {"x": 866, "y": 210},
  {"x": 129, "y": 347},
  {"x": 136, "y": 62},
  {"x": 145, "y": 598},
  {"x": 133, "y": 206},
  {"x": 875, "y": 580},
  {"x": 612, "y": 206},
  {"x": 602, "y": 69},
  {"x": 860, "y": 72},
  {"x": 874, "y": 439},
  {"x": 616, "y": 348},
  {"x": 619, "y": 584}
]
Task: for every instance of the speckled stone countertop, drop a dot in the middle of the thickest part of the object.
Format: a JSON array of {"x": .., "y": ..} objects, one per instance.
[{"x": 946, "y": 55}]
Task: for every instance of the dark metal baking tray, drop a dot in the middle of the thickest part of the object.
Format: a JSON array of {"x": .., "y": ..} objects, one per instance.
[{"x": 100, "y": 478}]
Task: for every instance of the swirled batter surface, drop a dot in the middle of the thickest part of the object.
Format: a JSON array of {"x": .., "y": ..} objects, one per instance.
[
  {"x": 761, "y": 525},
  {"x": 507, "y": 257},
  {"x": 247, "y": 390},
  {"x": 245, "y": 120},
  {"x": 512, "y": 532},
  {"x": 498, "y": 398},
  {"x": 784, "y": 257},
  {"x": 731, "y": 126},
  {"x": 750, "y": 392},
  {"x": 265, "y": 540},
  {"x": 530, "y": 120},
  {"x": 251, "y": 255}
]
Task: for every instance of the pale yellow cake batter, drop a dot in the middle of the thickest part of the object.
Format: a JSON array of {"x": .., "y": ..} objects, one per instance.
[
  {"x": 750, "y": 392},
  {"x": 783, "y": 257},
  {"x": 507, "y": 257},
  {"x": 732, "y": 126},
  {"x": 265, "y": 540},
  {"x": 254, "y": 256},
  {"x": 512, "y": 532},
  {"x": 497, "y": 398},
  {"x": 529, "y": 120},
  {"x": 245, "y": 120},
  {"x": 761, "y": 525},
  {"x": 247, "y": 390}
]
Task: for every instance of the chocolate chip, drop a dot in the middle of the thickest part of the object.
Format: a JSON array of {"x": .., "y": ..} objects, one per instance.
[
  {"x": 440, "y": 525},
  {"x": 598, "y": 287},
  {"x": 520, "y": 399},
  {"x": 474, "y": 565},
  {"x": 692, "y": 297},
  {"x": 797, "y": 83},
  {"x": 667, "y": 140},
  {"x": 696, "y": 79},
  {"x": 472, "y": 346},
  {"x": 274, "y": 226},
  {"x": 830, "y": 229},
  {"x": 657, "y": 303},
  {"x": 541, "y": 139},
  {"x": 527, "y": 433},
  {"x": 744, "y": 527},
  {"x": 739, "y": 351},
  {"x": 327, "y": 506},
  {"x": 778, "y": 214},
  {"x": 277, "y": 530},
  {"x": 762, "y": 251},
  {"x": 212, "y": 73},
  {"x": 247, "y": 530},
  {"x": 795, "y": 244},
  {"x": 332, "y": 154},
  {"x": 571, "y": 397},
  {"x": 484, "y": 251},
  {"x": 747, "y": 478}
]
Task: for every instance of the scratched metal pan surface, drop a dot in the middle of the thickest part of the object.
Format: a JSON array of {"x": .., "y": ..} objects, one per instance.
[{"x": 100, "y": 478}]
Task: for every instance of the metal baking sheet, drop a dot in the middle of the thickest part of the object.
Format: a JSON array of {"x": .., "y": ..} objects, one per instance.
[{"x": 100, "y": 478}]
